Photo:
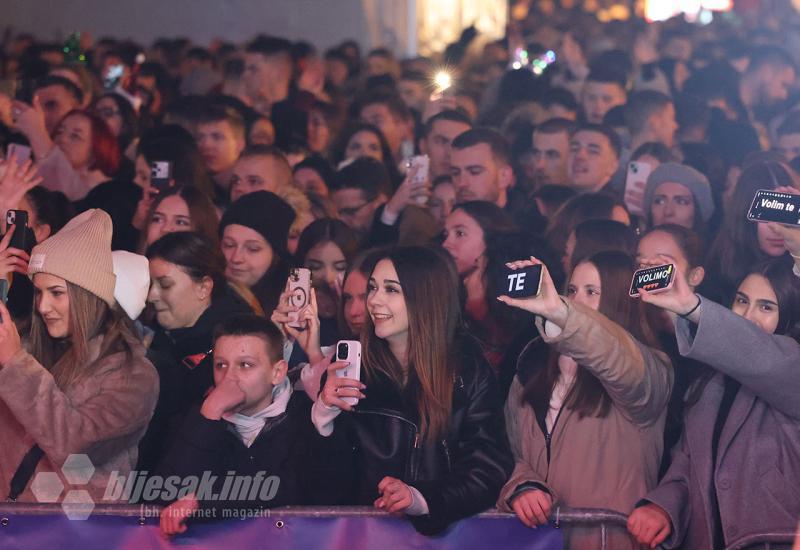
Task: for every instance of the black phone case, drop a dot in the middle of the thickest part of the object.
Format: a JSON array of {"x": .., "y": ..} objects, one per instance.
[
  {"x": 771, "y": 206},
  {"x": 520, "y": 283},
  {"x": 649, "y": 279},
  {"x": 20, "y": 238}
]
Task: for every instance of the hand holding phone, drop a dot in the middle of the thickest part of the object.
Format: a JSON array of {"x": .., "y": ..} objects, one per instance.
[
  {"x": 299, "y": 287},
  {"x": 635, "y": 184},
  {"x": 21, "y": 152},
  {"x": 17, "y": 221},
  {"x": 350, "y": 352},
  {"x": 652, "y": 279},
  {"x": 773, "y": 206},
  {"x": 161, "y": 175},
  {"x": 520, "y": 283},
  {"x": 546, "y": 302}
]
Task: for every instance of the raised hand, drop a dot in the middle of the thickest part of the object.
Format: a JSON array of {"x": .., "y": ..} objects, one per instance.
[
  {"x": 15, "y": 182},
  {"x": 547, "y": 303},
  {"x": 680, "y": 299},
  {"x": 226, "y": 397},
  {"x": 336, "y": 388}
]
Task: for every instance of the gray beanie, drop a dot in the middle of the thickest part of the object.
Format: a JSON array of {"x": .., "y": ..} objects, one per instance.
[{"x": 696, "y": 182}]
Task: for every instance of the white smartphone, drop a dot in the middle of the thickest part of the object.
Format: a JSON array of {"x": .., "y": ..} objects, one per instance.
[
  {"x": 420, "y": 165},
  {"x": 300, "y": 294},
  {"x": 635, "y": 184},
  {"x": 350, "y": 351}
]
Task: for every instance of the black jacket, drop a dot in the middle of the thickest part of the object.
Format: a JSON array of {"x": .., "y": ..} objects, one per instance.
[
  {"x": 183, "y": 387},
  {"x": 288, "y": 448},
  {"x": 460, "y": 474}
]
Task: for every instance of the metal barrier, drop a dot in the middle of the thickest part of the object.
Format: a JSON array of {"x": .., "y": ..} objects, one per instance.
[
  {"x": 600, "y": 529},
  {"x": 600, "y": 523},
  {"x": 766, "y": 541}
]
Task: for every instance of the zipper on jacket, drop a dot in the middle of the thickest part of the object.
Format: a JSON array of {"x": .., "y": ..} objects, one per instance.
[
  {"x": 548, "y": 437},
  {"x": 447, "y": 455}
]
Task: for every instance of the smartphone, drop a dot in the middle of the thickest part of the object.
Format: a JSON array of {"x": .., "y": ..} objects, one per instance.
[
  {"x": 520, "y": 283},
  {"x": 113, "y": 76},
  {"x": 419, "y": 165},
  {"x": 161, "y": 175},
  {"x": 635, "y": 183},
  {"x": 22, "y": 152},
  {"x": 771, "y": 206},
  {"x": 17, "y": 221},
  {"x": 350, "y": 351},
  {"x": 653, "y": 279},
  {"x": 300, "y": 293},
  {"x": 3, "y": 293}
]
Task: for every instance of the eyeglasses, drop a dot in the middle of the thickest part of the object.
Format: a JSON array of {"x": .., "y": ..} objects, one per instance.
[
  {"x": 191, "y": 362},
  {"x": 352, "y": 211}
]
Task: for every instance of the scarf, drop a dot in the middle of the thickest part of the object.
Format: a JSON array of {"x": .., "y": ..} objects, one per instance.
[{"x": 248, "y": 427}]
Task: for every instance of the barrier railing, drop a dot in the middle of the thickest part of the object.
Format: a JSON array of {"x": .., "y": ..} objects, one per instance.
[
  {"x": 28, "y": 525},
  {"x": 25, "y": 525}
]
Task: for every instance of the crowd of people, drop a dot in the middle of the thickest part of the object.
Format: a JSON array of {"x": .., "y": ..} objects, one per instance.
[{"x": 172, "y": 191}]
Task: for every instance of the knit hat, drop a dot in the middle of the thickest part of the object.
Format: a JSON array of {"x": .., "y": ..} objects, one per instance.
[
  {"x": 133, "y": 281},
  {"x": 263, "y": 212},
  {"x": 80, "y": 254},
  {"x": 696, "y": 182}
]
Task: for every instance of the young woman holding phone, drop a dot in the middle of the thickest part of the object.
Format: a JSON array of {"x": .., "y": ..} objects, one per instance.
[{"x": 428, "y": 431}]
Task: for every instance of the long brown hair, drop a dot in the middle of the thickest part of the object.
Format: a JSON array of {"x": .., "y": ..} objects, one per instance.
[
  {"x": 69, "y": 359},
  {"x": 588, "y": 397},
  {"x": 429, "y": 283}
]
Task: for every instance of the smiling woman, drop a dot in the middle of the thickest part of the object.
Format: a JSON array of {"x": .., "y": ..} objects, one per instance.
[
  {"x": 429, "y": 436},
  {"x": 189, "y": 295},
  {"x": 85, "y": 386}
]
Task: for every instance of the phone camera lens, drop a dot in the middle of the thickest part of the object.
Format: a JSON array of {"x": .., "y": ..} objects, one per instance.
[{"x": 342, "y": 350}]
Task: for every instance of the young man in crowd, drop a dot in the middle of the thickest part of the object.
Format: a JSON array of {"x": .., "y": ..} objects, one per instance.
[
  {"x": 650, "y": 117},
  {"x": 260, "y": 168},
  {"x": 57, "y": 96},
  {"x": 389, "y": 114},
  {"x": 594, "y": 151},
  {"x": 268, "y": 71},
  {"x": 220, "y": 136},
  {"x": 603, "y": 89},
  {"x": 251, "y": 424},
  {"x": 437, "y": 139},
  {"x": 551, "y": 151},
  {"x": 480, "y": 165},
  {"x": 361, "y": 193}
]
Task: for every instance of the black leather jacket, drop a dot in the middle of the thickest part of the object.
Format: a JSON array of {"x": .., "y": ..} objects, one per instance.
[{"x": 460, "y": 474}]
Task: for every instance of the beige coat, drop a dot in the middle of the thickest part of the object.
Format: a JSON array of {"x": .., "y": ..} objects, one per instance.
[
  {"x": 103, "y": 416},
  {"x": 606, "y": 462}
]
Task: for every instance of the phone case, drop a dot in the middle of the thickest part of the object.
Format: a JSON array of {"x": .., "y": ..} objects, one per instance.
[
  {"x": 353, "y": 370},
  {"x": 635, "y": 183},
  {"x": 300, "y": 289},
  {"x": 17, "y": 220},
  {"x": 771, "y": 206},
  {"x": 652, "y": 279},
  {"x": 520, "y": 283}
]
